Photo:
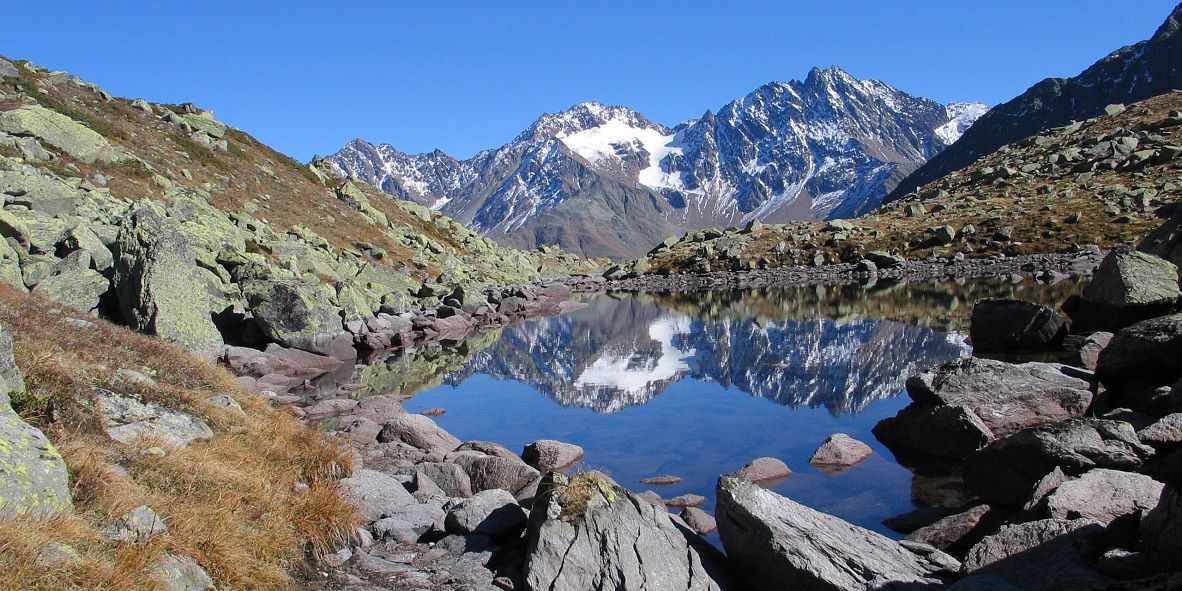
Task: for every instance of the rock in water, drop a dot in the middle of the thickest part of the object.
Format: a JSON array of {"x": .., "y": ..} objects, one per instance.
[
  {"x": 586, "y": 533},
  {"x": 764, "y": 469},
  {"x": 161, "y": 291},
  {"x": 776, "y": 543},
  {"x": 840, "y": 451},
  {"x": 1003, "y": 325}
]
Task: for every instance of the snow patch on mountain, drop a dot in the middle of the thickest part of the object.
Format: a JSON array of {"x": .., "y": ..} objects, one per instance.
[{"x": 960, "y": 117}]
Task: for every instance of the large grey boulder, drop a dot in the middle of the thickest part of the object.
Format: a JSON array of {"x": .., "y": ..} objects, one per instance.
[
  {"x": 775, "y": 543},
  {"x": 488, "y": 472},
  {"x": 375, "y": 494},
  {"x": 449, "y": 477},
  {"x": 33, "y": 476},
  {"x": 1161, "y": 532},
  {"x": 965, "y": 404},
  {"x": 77, "y": 288},
  {"x": 160, "y": 287},
  {"x": 1127, "y": 287},
  {"x": 1004, "y": 325},
  {"x": 1163, "y": 433},
  {"x": 587, "y": 534},
  {"x": 1166, "y": 240},
  {"x": 1039, "y": 555},
  {"x": 59, "y": 131},
  {"x": 1007, "y": 470},
  {"x": 494, "y": 513},
  {"x": 11, "y": 380},
  {"x": 408, "y": 523},
  {"x": 1150, "y": 350},
  {"x": 957, "y": 532},
  {"x": 1104, "y": 496},
  {"x": 295, "y": 312},
  {"x": 419, "y": 431},
  {"x": 125, "y": 419}
]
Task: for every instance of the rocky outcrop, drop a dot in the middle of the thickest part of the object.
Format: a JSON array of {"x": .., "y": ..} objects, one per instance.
[
  {"x": 1104, "y": 496},
  {"x": 1039, "y": 555},
  {"x": 61, "y": 132},
  {"x": 586, "y": 533},
  {"x": 1006, "y": 471},
  {"x": 1148, "y": 351},
  {"x": 160, "y": 289},
  {"x": 1128, "y": 286},
  {"x": 968, "y": 403},
  {"x": 548, "y": 455},
  {"x": 1004, "y": 325},
  {"x": 774, "y": 542}
]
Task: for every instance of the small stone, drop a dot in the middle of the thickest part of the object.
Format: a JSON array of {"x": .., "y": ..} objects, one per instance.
[
  {"x": 136, "y": 525},
  {"x": 687, "y": 500},
  {"x": 763, "y": 469}
]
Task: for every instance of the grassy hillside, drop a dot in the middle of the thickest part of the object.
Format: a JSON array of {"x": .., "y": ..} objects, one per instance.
[{"x": 246, "y": 504}]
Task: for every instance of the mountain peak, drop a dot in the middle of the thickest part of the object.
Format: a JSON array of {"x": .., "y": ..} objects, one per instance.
[{"x": 583, "y": 116}]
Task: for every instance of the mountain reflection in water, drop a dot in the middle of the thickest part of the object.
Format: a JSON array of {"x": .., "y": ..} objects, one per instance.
[{"x": 697, "y": 384}]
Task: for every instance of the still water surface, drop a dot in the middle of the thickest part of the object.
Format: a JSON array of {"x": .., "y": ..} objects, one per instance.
[{"x": 696, "y": 385}]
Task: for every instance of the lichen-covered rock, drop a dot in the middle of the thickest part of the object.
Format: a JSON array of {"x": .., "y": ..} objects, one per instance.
[
  {"x": 137, "y": 525},
  {"x": 33, "y": 476},
  {"x": 174, "y": 572},
  {"x": 126, "y": 419},
  {"x": 11, "y": 380},
  {"x": 59, "y": 131},
  {"x": 77, "y": 288},
  {"x": 160, "y": 289},
  {"x": 1132, "y": 278},
  {"x": 293, "y": 312},
  {"x": 587, "y": 534}
]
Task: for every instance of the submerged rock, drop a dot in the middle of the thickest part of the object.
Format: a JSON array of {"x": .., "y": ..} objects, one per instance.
[
  {"x": 775, "y": 543},
  {"x": 840, "y": 451},
  {"x": 586, "y": 533}
]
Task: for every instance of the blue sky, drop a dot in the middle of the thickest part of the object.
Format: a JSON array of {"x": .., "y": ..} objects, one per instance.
[{"x": 306, "y": 77}]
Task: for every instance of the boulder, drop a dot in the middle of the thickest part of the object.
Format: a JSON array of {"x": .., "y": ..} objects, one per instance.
[
  {"x": 137, "y": 525},
  {"x": 1006, "y": 325},
  {"x": 944, "y": 432},
  {"x": 686, "y": 500},
  {"x": 587, "y": 534},
  {"x": 125, "y": 419},
  {"x": 698, "y": 520},
  {"x": 1104, "y": 496},
  {"x": 78, "y": 288},
  {"x": 1150, "y": 350},
  {"x": 1166, "y": 240},
  {"x": 840, "y": 451},
  {"x": 1128, "y": 286},
  {"x": 419, "y": 431},
  {"x": 548, "y": 455},
  {"x": 450, "y": 478},
  {"x": 11, "y": 380},
  {"x": 488, "y": 472},
  {"x": 494, "y": 513},
  {"x": 1039, "y": 555},
  {"x": 488, "y": 448},
  {"x": 59, "y": 131},
  {"x": 1161, "y": 532},
  {"x": 375, "y": 494},
  {"x": 1087, "y": 353},
  {"x": 407, "y": 524},
  {"x": 174, "y": 572},
  {"x": 33, "y": 476},
  {"x": 1007, "y": 470},
  {"x": 295, "y": 312},
  {"x": 1006, "y": 397},
  {"x": 160, "y": 287},
  {"x": 775, "y": 543},
  {"x": 763, "y": 470},
  {"x": 957, "y": 533},
  {"x": 1164, "y": 433}
]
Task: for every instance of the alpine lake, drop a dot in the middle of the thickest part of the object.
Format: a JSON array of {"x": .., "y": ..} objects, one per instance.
[{"x": 697, "y": 384}]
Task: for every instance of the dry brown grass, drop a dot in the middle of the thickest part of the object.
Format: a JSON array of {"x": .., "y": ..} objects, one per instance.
[{"x": 230, "y": 502}]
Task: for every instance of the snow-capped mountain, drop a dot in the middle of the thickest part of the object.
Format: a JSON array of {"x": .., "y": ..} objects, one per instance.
[
  {"x": 1127, "y": 75},
  {"x": 608, "y": 181}
]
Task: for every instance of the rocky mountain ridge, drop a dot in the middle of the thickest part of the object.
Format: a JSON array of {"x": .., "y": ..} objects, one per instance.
[
  {"x": 607, "y": 181},
  {"x": 1129, "y": 74}
]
